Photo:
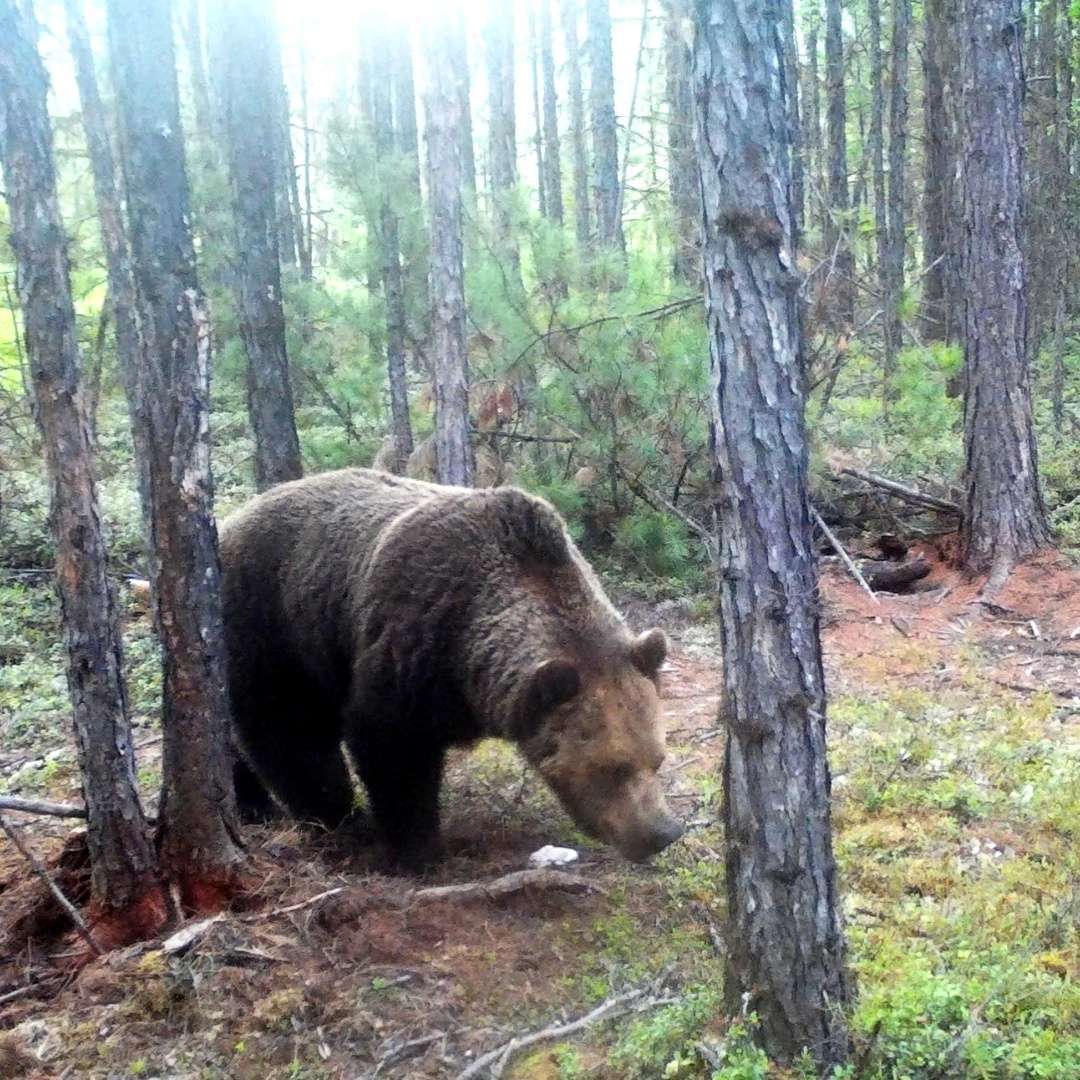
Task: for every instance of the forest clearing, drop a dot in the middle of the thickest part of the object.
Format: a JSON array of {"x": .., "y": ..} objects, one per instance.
[{"x": 539, "y": 539}]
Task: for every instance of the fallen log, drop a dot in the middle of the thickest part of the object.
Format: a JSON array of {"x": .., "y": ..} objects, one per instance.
[
  {"x": 515, "y": 882},
  {"x": 894, "y": 577},
  {"x": 902, "y": 491},
  {"x": 37, "y": 806}
]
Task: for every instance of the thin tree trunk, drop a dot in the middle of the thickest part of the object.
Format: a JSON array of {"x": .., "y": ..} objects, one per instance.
[
  {"x": 200, "y": 85},
  {"x": 940, "y": 209},
  {"x": 307, "y": 252},
  {"x": 244, "y": 48},
  {"x": 502, "y": 137},
  {"x": 197, "y": 825},
  {"x": 121, "y": 293},
  {"x": 384, "y": 58},
  {"x": 461, "y": 48},
  {"x": 682, "y": 164},
  {"x": 442, "y": 111},
  {"x": 791, "y": 79},
  {"x": 814, "y": 153},
  {"x": 287, "y": 192},
  {"x": 877, "y": 143},
  {"x": 404, "y": 100},
  {"x": 123, "y": 866},
  {"x": 898, "y": 118},
  {"x": 552, "y": 149},
  {"x": 837, "y": 233},
  {"x": 609, "y": 230},
  {"x": 582, "y": 214},
  {"x": 1004, "y": 514},
  {"x": 785, "y": 958},
  {"x": 538, "y": 116}
]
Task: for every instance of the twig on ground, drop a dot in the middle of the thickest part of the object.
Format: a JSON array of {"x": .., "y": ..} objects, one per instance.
[
  {"x": 39, "y": 869},
  {"x": 288, "y": 909},
  {"x": 540, "y": 878},
  {"x": 495, "y": 1061},
  {"x": 845, "y": 558},
  {"x": 35, "y": 806},
  {"x": 401, "y": 1051}
]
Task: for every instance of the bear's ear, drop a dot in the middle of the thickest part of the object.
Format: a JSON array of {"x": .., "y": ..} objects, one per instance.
[
  {"x": 552, "y": 683},
  {"x": 649, "y": 652}
]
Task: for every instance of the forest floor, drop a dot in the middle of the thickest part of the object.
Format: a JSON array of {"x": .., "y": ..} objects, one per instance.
[{"x": 955, "y": 748}]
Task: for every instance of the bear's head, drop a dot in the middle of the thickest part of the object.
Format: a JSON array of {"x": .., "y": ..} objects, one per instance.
[{"x": 594, "y": 733}]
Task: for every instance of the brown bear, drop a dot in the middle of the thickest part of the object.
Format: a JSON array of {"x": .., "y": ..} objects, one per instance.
[{"x": 401, "y": 618}]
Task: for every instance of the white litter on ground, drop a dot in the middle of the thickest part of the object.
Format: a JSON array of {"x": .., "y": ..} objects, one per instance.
[{"x": 549, "y": 855}]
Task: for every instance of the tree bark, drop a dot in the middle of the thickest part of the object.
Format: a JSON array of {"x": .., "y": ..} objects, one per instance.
[
  {"x": 896, "y": 246},
  {"x": 307, "y": 251},
  {"x": 385, "y": 137},
  {"x": 785, "y": 957},
  {"x": 940, "y": 206},
  {"x": 244, "y": 46},
  {"x": 837, "y": 233},
  {"x": 197, "y": 825},
  {"x": 682, "y": 166},
  {"x": 1005, "y": 517},
  {"x": 404, "y": 99},
  {"x": 442, "y": 111},
  {"x": 814, "y": 152},
  {"x": 538, "y": 115},
  {"x": 791, "y": 78},
  {"x": 609, "y": 230},
  {"x": 290, "y": 237},
  {"x": 502, "y": 136},
  {"x": 582, "y": 212},
  {"x": 876, "y": 145},
  {"x": 121, "y": 293},
  {"x": 468, "y": 152},
  {"x": 123, "y": 866},
  {"x": 552, "y": 148}
]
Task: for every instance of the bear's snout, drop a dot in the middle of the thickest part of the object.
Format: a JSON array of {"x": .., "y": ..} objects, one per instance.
[{"x": 660, "y": 835}]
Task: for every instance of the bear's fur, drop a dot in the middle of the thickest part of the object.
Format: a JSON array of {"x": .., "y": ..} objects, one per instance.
[{"x": 401, "y": 618}]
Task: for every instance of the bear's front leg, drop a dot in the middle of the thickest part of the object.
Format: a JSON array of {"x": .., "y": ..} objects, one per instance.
[{"x": 403, "y": 784}]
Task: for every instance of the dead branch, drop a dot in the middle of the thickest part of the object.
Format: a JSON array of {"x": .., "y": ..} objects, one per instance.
[
  {"x": 34, "y": 806},
  {"x": 902, "y": 491},
  {"x": 295, "y": 907},
  {"x": 845, "y": 558},
  {"x": 495, "y": 1061},
  {"x": 518, "y": 881},
  {"x": 61, "y": 899},
  {"x": 660, "y": 503}
]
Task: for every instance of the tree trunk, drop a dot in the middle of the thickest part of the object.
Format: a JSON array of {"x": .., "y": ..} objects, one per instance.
[
  {"x": 244, "y": 48},
  {"x": 461, "y": 49},
  {"x": 442, "y": 111},
  {"x": 404, "y": 100},
  {"x": 123, "y": 866},
  {"x": 837, "y": 233},
  {"x": 287, "y": 192},
  {"x": 791, "y": 79},
  {"x": 384, "y": 56},
  {"x": 307, "y": 251},
  {"x": 609, "y": 230},
  {"x": 1004, "y": 514},
  {"x": 940, "y": 209},
  {"x": 582, "y": 213},
  {"x": 876, "y": 146},
  {"x": 552, "y": 149},
  {"x": 538, "y": 115},
  {"x": 682, "y": 165},
  {"x": 196, "y": 58},
  {"x": 121, "y": 294},
  {"x": 895, "y": 248},
  {"x": 502, "y": 137},
  {"x": 197, "y": 827},
  {"x": 785, "y": 958},
  {"x": 814, "y": 153}
]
